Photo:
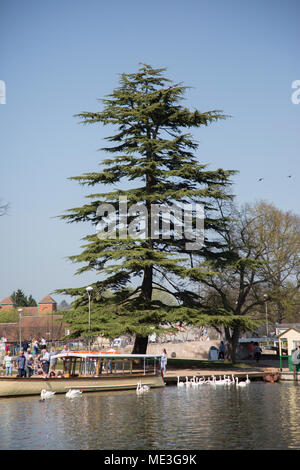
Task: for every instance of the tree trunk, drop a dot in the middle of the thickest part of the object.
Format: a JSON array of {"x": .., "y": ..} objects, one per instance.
[
  {"x": 140, "y": 345},
  {"x": 141, "y": 342},
  {"x": 232, "y": 340}
]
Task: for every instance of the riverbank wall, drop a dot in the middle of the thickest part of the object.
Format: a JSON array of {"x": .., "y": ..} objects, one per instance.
[{"x": 185, "y": 350}]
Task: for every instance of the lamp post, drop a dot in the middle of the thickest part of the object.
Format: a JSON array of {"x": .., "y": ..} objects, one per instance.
[
  {"x": 89, "y": 291},
  {"x": 267, "y": 324},
  {"x": 20, "y": 310}
]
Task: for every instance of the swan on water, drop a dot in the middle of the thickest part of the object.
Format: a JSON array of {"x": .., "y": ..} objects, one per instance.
[
  {"x": 179, "y": 384},
  {"x": 201, "y": 381},
  {"x": 210, "y": 380},
  {"x": 187, "y": 383},
  {"x": 227, "y": 379},
  {"x": 194, "y": 382},
  {"x": 247, "y": 379},
  {"x": 46, "y": 394},
  {"x": 141, "y": 388},
  {"x": 240, "y": 384},
  {"x": 221, "y": 381},
  {"x": 73, "y": 393}
]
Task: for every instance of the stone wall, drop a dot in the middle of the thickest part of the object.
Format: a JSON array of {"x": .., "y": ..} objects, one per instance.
[{"x": 186, "y": 350}]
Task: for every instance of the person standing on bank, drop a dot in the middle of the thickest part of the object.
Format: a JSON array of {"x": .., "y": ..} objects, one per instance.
[
  {"x": 53, "y": 361},
  {"x": 43, "y": 343},
  {"x": 29, "y": 364},
  {"x": 251, "y": 350},
  {"x": 8, "y": 363},
  {"x": 296, "y": 360},
  {"x": 35, "y": 344},
  {"x": 257, "y": 352},
  {"x": 20, "y": 364},
  {"x": 222, "y": 350},
  {"x": 27, "y": 353},
  {"x": 163, "y": 362},
  {"x": 45, "y": 362}
]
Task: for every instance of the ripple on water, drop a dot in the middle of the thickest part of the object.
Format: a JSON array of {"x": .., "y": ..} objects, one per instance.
[{"x": 261, "y": 416}]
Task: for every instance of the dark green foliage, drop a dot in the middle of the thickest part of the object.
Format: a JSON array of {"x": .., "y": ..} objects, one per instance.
[
  {"x": 21, "y": 300},
  {"x": 151, "y": 149}
]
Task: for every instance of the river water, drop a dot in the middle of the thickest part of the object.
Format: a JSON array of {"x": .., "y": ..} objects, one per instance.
[{"x": 259, "y": 416}]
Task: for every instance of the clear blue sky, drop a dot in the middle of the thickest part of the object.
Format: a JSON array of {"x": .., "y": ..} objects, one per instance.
[{"x": 58, "y": 57}]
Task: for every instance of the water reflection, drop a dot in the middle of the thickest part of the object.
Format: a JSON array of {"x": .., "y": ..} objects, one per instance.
[{"x": 260, "y": 416}]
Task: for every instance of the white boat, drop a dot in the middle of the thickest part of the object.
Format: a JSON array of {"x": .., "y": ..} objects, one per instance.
[{"x": 90, "y": 371}]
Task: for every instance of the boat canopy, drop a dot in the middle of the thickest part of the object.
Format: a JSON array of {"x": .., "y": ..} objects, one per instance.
[{"x": 104, "y": 355}]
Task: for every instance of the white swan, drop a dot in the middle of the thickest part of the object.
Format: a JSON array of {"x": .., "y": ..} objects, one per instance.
[
  {"x": 141, "y": 388},
  {"x": 187, "y": 383},
  {"x": 179, "y": 384},
  {"x": 240, "y": 384},
  {"x": 194, "y": 382},
  {"x": 221, "y": 381},
  {"x": 46, "y": 394},
  {"x": 247, "y": 379},
  {"x": 210, "y": 380},
  {"x": 227, "y": 380},
  {"x": 73, "y": 393}
]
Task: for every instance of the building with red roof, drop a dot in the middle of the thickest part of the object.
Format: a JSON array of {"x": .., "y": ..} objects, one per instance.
[
  {"x": 7, "y": 304},
  {"x": 46, "y": 305},
  {"x": 33, "y": 321}
]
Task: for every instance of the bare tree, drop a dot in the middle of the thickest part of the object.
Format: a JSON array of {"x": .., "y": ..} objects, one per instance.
[
  {"x": 3, "y": 209},
  {"x": 277, "y": 233},
  {"x": 259, "y": 263}
]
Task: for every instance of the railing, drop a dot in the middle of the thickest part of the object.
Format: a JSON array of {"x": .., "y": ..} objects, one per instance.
[{"x": 103, "y": 366}]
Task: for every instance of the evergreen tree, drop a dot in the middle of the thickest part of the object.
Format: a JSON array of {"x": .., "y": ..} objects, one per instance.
[
  {"x": 21, "y": 300},
  {"x": 150, "y": 149},
  {"x": 31, "y": 302}
]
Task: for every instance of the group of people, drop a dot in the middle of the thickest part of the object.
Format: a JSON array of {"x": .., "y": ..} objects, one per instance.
[
  {"x": 255, "y": 351},
  {"x": 34, "y": 363}
]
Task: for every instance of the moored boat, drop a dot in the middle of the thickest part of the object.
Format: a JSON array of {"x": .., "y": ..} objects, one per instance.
[
  {"x": 90, "y": 371},
  {"x": 271, "y": 375}
]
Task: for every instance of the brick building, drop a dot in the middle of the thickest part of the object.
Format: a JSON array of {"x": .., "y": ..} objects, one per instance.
[
  {"x": 7, "y": 304},
  {"x": 34, "y": 321},
  {"x": 46, "y": 305}
]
